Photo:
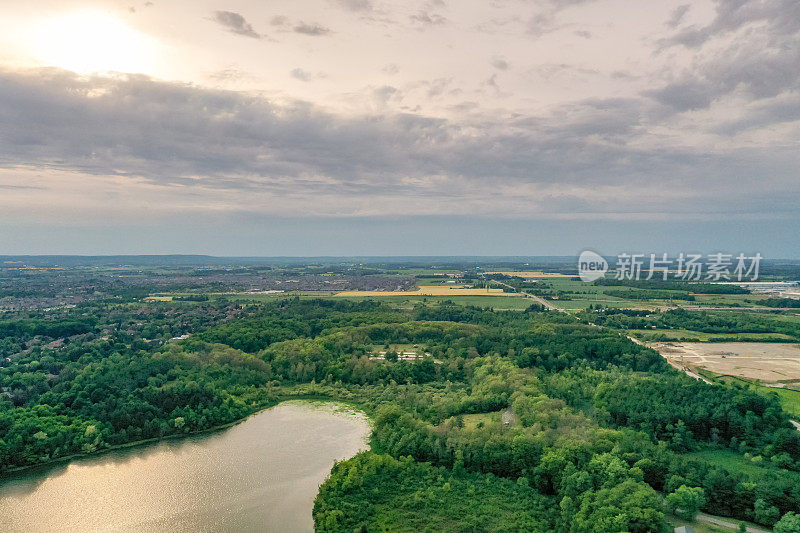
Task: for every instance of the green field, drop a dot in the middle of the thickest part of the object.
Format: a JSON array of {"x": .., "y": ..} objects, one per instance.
[
  {"x": 484, "y": 419},
  {"x": 579, "y": 295},
  {"x": 242, "y": 296},
  {"x": 686, "y": 335},
  {"x": 577, "y": 303},
  {"x": 790, "y": 399},
  {"x": 732, "y": 461},
  {"x": 516, "y": 303}
]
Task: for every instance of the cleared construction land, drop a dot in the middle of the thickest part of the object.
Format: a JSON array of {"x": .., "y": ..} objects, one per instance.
[{"x": 767, "y": 362}]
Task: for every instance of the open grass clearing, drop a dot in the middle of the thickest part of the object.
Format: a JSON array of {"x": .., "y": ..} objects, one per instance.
[
  {"x": 687, "y": 335},
  {"x": 733, "y": 462},
  {"x": 790, "y": 398}
]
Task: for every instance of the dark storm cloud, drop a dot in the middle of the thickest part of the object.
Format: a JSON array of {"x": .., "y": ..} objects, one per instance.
[
  {"x": 235, "y": 23},
  {"x": 182, "y": 134}
]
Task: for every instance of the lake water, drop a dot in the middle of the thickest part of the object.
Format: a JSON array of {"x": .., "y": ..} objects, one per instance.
[{"x": 260, "y": 475}]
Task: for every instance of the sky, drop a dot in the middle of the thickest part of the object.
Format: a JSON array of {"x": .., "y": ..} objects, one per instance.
[{"x": 368, "y": 127}]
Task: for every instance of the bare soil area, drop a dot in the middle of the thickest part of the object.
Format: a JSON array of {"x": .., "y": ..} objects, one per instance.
[{"x": 767, "y": 362}]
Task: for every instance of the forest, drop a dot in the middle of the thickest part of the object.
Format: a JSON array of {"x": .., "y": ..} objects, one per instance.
[
  {"x": 597, "y": 433},
  {"x": 703, "y": 321}
]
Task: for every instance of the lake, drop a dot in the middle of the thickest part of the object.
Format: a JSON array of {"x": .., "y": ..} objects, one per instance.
[{"x": 259, "y": 475}]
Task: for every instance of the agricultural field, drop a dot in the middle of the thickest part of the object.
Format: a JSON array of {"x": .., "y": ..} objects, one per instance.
[
  {"x": 571, "y": 294},
  {"x": 536, "y": 274},
  {"x": 579, "y": 304},
  {"x": 764, "y": 362},
  {"x": 158, "y": 299},
  {"x": 511, "y": 302},
  {"x": 268, "y": 296},
  {"x": 406, "y": 299},
  {"x": 432, "y": 290}
]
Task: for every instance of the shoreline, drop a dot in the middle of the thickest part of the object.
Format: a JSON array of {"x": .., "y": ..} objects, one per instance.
[{"x": 12, "y": 473}]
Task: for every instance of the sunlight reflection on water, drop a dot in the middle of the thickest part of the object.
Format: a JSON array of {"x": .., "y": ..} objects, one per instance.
[{"x": 260, "y": 475}]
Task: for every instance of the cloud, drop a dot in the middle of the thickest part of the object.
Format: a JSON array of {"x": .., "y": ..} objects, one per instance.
[
  {"x": 301, "y": 74},
  {"x": 499, "y": 63},
  {"x": 545, "y": 20},
  {"x": 748, "y": 52},
  {"x": 311, "y": 29},
  {"x": 304, "y": 75},
  {"x": 383, "y": 94},
  {"x": 684, "y": 95},
  {"x": 541, "y": 24},
  {"x": 678, "y": 15},
  {"x": 428, "y": 19},
  {"x": 779, "y": 18},
  {"x": 235, "y": 23},
  {"x": 595, "y": 155},
  {"x": 231, "y": 74},
  {"x": 355, "y": 5}
]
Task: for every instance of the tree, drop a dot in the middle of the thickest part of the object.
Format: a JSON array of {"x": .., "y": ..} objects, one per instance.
[
  {"x": 765, "y": 513},
  {"x": 630, "y": 506},
  {"x": 686, "y": 501},
  {"x": 790, "y": 523}
]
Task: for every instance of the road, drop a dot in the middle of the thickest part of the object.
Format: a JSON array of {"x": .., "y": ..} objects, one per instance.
[
  {"x": 545, "y": 303},
  {"x": 724, "y": 523}
]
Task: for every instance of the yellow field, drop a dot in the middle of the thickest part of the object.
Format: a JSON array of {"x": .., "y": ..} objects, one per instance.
[
  {"x": 433, "y": 290},
  {"x": 158, "y": 299},
  {"x": 534, "y": 274}
]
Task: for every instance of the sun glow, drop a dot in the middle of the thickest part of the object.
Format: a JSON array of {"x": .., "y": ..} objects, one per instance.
[{"x": 92, "y": 42}]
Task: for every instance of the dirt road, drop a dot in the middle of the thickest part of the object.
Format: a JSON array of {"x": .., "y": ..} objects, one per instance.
[{"x": 724, "y": 523}]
